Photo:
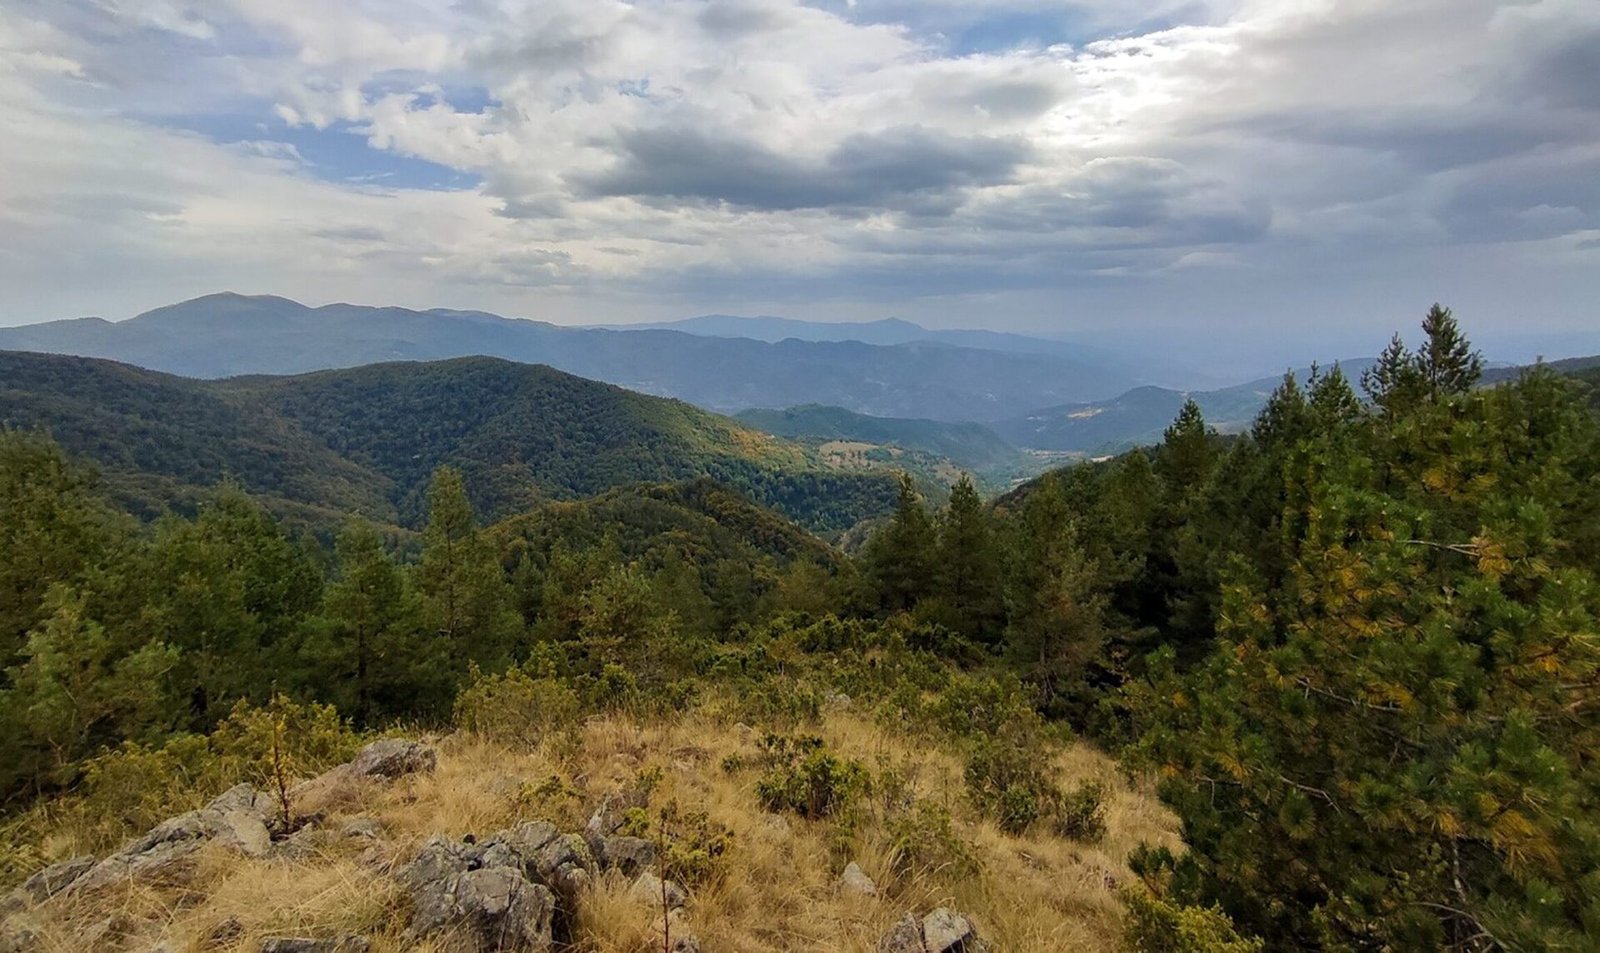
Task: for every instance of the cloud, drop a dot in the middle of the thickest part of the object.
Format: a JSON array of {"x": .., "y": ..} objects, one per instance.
[{"x": 658, "y": 156}]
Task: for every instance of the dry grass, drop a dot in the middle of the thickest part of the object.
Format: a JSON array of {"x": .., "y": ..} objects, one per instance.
[{"x": 779, "y": 892}]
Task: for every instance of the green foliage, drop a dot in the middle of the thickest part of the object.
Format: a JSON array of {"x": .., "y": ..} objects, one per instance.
[
  {"x": 134, "y": 786},
  {"x": 465, "y": 599},
  {"x": 1081, "y": 814},
  {"x": 516, "y": 708},
  {"x": 807, "y": 780},
  {"x": 925, "y": 845},
  {"x": 1154, "y": 925},
  {"x": 900, "y": 558},
  {"x": 1388, "y": 746},
  {"x": 694, "y": 848},
  {"x": 1009, "y": 778},
  {"x": 368, "y": 439}
]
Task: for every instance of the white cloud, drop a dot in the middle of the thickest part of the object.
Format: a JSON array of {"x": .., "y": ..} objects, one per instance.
[{"x": 667, "y": 155}]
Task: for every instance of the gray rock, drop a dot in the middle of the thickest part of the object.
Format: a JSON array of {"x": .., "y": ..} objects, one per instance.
[
  {"x": 244, "y": 832},
  {"x": 234, "y": 819},
  {"x": 565, "y": 865},
  {"x": 519, "y": 846},
  {"x": 243, "y": 797},
  {"x": 438, "y": 861},
  {"x": 945, "y": 930},
  {"x": 855, "y": 881},
  {"x": 365, "y": 828},
  {"x": 613, "y": 809},
  {"x": 904, "y": 937},
  {"x": 494, "y": 906},
  {"x": 50, "y": 881},
  {"x": 392, "y": 758},
  {"x": 648, "y": 888},
  {"x": 350, "y": 943},
  {"x": 630, "y": 855}
]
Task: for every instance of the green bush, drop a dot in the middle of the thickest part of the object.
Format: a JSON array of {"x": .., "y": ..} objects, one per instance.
[
  {"x": 806, "y": 779},
  {"x": 1008, "y": 780},
  {"x": 1154, "y": 925},
  {"x": 516, "y": 708},
  {"x": 923, "y": 843},
  {"x": 1082, "y": 813}
]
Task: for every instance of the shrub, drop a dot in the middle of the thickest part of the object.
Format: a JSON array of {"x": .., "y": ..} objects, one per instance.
[
  {"x": 514, "y": 707},
  {"x": 1082, "y": 814},
  {"x": 1007, "y": 778},
  {"x": 806, "y": 779},
  {"x": 923, "y": 843},
  {"x": 1154, "y": 925}
]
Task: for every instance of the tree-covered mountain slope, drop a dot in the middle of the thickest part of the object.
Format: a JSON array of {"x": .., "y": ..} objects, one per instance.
[
  {"x": 227, "y": 334},
  {"x": 366, "y": 440}
]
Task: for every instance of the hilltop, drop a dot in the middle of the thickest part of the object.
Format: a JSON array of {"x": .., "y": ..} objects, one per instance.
[{"x": 366, "y": 440}]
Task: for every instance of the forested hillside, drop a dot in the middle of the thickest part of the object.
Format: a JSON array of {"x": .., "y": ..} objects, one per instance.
[
  {"x": 1353, "y": 650},
  {"x": 366, "y": 440}
]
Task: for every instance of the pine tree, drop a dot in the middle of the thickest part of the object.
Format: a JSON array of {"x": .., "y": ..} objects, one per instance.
[
  {"x": 78, "y": 688},
  {"x": 1447, "y": 364},
  {"x": 1056, "y": 599},
  {"x": 901, "y": 557},
  {"x": 1393, "y": 383},
  {"x": 377, "y": 645},
  {"x": 465, "y": 596},
  {"x": 969, "y": 564}
]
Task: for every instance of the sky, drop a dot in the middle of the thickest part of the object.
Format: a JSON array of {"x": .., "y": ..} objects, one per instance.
[{"x": 1200, "y": 176}]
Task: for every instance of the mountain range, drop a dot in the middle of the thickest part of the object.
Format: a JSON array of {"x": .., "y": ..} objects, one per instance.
[
  {"x": 366, "y": 440},
  {"x": 225, "y": 335}
]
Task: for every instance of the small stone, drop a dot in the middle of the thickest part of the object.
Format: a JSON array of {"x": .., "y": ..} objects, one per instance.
[
  {"x": 365, "y": 828},
  {"x": 855, "y": 881},
  {"x": 648, "y": 887}
]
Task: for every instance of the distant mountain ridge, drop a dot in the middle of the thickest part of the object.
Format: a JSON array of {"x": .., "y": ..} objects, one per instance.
[
  {"x": 892, "y": 331},
  {"x": 367, "y": 439},
  {"x": 1141, "y": 415},
  {"x": 228, "y": 335}
]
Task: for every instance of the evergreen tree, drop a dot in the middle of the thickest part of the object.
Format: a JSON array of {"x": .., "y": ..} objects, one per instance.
[
  {"x": 1393, "y": 383},
  {"x": 465, "y": 596},
  {"x": 78, "y": 688},
  {"x": 900, "y": 557},
  {"x": 379, "y": 656},
  {"x": 233, "y": 595},
  {"x": 1447, "y": 364},
  {"x": 1056, "y": 601},
  {"x": 53, "y": 529},
  {"x": 969, "y": 565}
]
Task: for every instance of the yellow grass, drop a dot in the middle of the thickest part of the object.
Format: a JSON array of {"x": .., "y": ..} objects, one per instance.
[{"x": 1033, "y": 893}]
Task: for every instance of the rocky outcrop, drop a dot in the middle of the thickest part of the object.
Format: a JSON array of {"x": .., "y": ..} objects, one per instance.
[
  {"x": 299, "y": 944},
  {"x": 514, "y": 889},
  {"x": 493, "y": 908},
  {"x": 240, "y": 819},
  {"x": 942, "y": 931},
  {"x": 236, "y": 819}
]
